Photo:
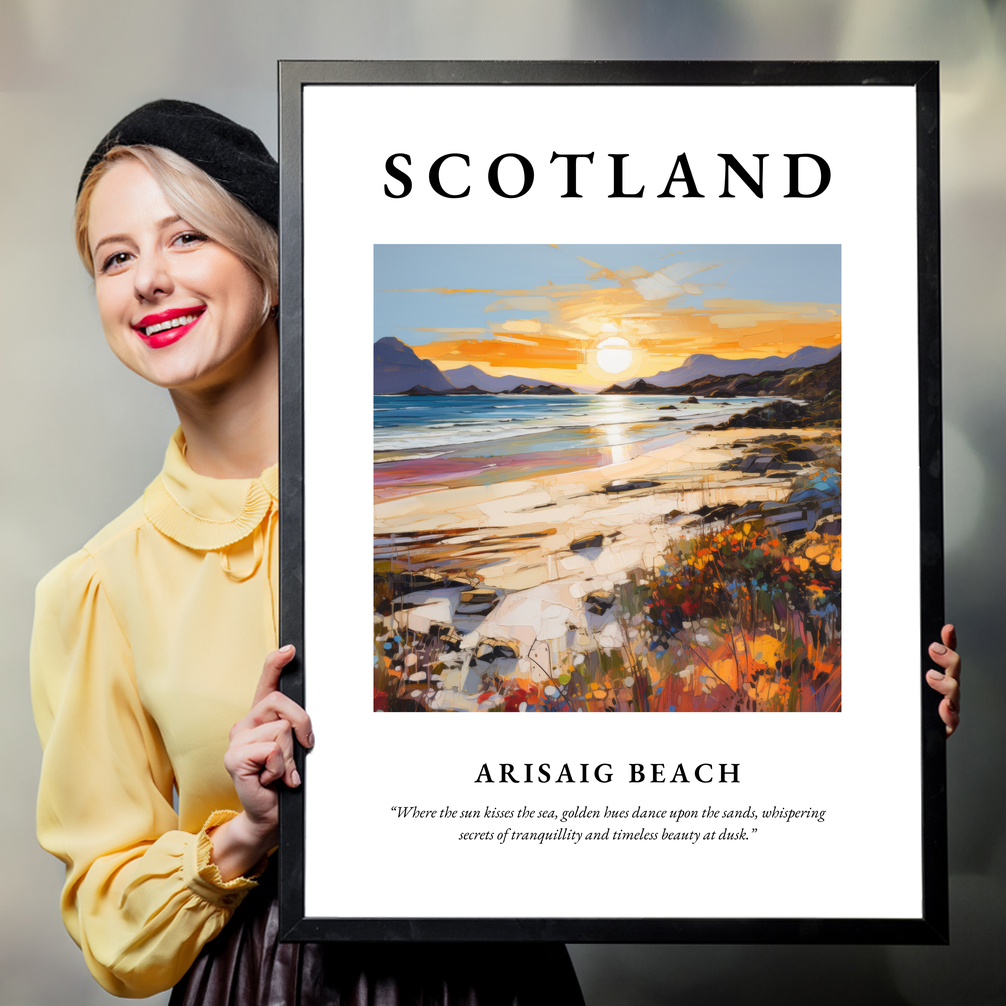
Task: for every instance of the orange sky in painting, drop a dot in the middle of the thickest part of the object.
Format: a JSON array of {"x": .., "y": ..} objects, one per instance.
[{"x": 562, "y": 345}]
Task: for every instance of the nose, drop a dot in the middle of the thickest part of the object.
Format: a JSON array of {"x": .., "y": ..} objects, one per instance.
[{"x": 152, "y": 276}]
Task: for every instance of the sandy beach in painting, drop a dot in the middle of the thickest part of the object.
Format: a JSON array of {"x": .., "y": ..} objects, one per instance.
[
  {"x": 518, "y": 534},
  {"x": 534, "y": 592}
]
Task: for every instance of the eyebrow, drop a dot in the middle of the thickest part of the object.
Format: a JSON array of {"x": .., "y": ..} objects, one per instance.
[{"x": 160, "y": 225}]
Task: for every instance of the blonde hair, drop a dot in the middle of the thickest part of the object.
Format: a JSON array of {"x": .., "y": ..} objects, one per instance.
[{"x": 199, "y": 200}]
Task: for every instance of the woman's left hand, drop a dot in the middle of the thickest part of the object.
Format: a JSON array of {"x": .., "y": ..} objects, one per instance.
[
  {"x": 948, "y": 681},
  {"x": 260, "y": 754}
]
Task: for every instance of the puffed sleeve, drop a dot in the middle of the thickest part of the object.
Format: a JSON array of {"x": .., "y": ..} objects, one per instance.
[{"x": 141, "y": 897}]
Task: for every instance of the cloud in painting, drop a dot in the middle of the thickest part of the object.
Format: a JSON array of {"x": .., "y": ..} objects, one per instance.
[{"x": 553, "y": 331}]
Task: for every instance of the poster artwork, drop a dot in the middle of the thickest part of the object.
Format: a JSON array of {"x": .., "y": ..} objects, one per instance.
[
  {"x": 602, "y": 419},
  {"x": 607, "y": 478}
]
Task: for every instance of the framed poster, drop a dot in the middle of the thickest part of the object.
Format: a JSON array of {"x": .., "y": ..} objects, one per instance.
[{"x": 612, "y": 388}]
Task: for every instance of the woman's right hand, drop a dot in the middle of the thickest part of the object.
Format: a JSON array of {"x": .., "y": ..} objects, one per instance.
[{"x": 259, "y": 754}]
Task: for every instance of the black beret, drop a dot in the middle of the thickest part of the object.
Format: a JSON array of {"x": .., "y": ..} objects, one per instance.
[{"x": 231, "y": 154}]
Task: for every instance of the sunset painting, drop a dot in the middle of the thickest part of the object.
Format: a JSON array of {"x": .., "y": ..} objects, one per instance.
[{"x": 607, "y": 478}]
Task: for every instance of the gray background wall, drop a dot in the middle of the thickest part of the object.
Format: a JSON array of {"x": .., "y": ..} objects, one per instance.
[{"x": 81, "y": 436}]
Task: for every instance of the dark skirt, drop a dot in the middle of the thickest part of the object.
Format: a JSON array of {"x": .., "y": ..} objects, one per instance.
[{"x": 246, "y": 965}]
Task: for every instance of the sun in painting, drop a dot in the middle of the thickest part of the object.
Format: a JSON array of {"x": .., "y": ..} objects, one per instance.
[{"x": 614, "y": 355}]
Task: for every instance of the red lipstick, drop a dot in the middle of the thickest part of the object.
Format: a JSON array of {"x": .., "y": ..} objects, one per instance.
[{"x": 166, "y": 327}]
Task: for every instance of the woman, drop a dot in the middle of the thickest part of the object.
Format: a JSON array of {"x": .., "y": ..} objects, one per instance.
[{"x": 149, "y": 643}]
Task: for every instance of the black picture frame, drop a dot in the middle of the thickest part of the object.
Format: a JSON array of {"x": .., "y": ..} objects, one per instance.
[{"x": 932, "y": 925}]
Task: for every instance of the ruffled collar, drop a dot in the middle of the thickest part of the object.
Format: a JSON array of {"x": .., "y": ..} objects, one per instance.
[{"x": 203, "y": 513}]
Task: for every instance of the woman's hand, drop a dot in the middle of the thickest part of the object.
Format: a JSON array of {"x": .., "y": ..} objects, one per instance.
[
  {"x": 947, "y": 682},
  {"x": 260, "y": 753}
]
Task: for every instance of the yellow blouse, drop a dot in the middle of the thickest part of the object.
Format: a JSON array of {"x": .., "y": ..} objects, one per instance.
[{"x": 147, "y": 647}]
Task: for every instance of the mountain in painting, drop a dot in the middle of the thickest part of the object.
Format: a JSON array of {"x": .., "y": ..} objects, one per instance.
[
  {"x": 539, "y": 389},
  {"x": 639, "y": 387},
  {"x": 819, "y": 387},
  {"x": 397, "y": 369},
  {"x": 419, "y": 391},
  {"x": 707, "y": 365},
  {"x": 464, "y": 376}
]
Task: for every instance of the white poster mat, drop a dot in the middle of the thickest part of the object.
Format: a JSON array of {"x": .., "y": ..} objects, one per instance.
[{"x": 861, "y": 765}]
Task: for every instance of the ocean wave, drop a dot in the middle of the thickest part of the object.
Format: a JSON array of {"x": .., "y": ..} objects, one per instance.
[
  {"x": 407, "y": 457},
  {"x": 448, "y": 425},
  {"x": 417, "y": 439}
]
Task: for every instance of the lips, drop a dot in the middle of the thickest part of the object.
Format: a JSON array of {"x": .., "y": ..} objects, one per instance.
[{"x": 167, "y": 327}]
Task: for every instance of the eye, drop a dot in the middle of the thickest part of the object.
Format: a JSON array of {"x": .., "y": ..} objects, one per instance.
[
  {"x": 189, "y": 239},
  {"x": 115, "y": 261}
]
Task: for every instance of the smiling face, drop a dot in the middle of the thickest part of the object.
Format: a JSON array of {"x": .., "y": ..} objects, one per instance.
[{"x": 177, "y": 307}]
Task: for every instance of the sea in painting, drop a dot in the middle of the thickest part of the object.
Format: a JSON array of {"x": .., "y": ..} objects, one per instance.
[{"x": 607, "y": 478}]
